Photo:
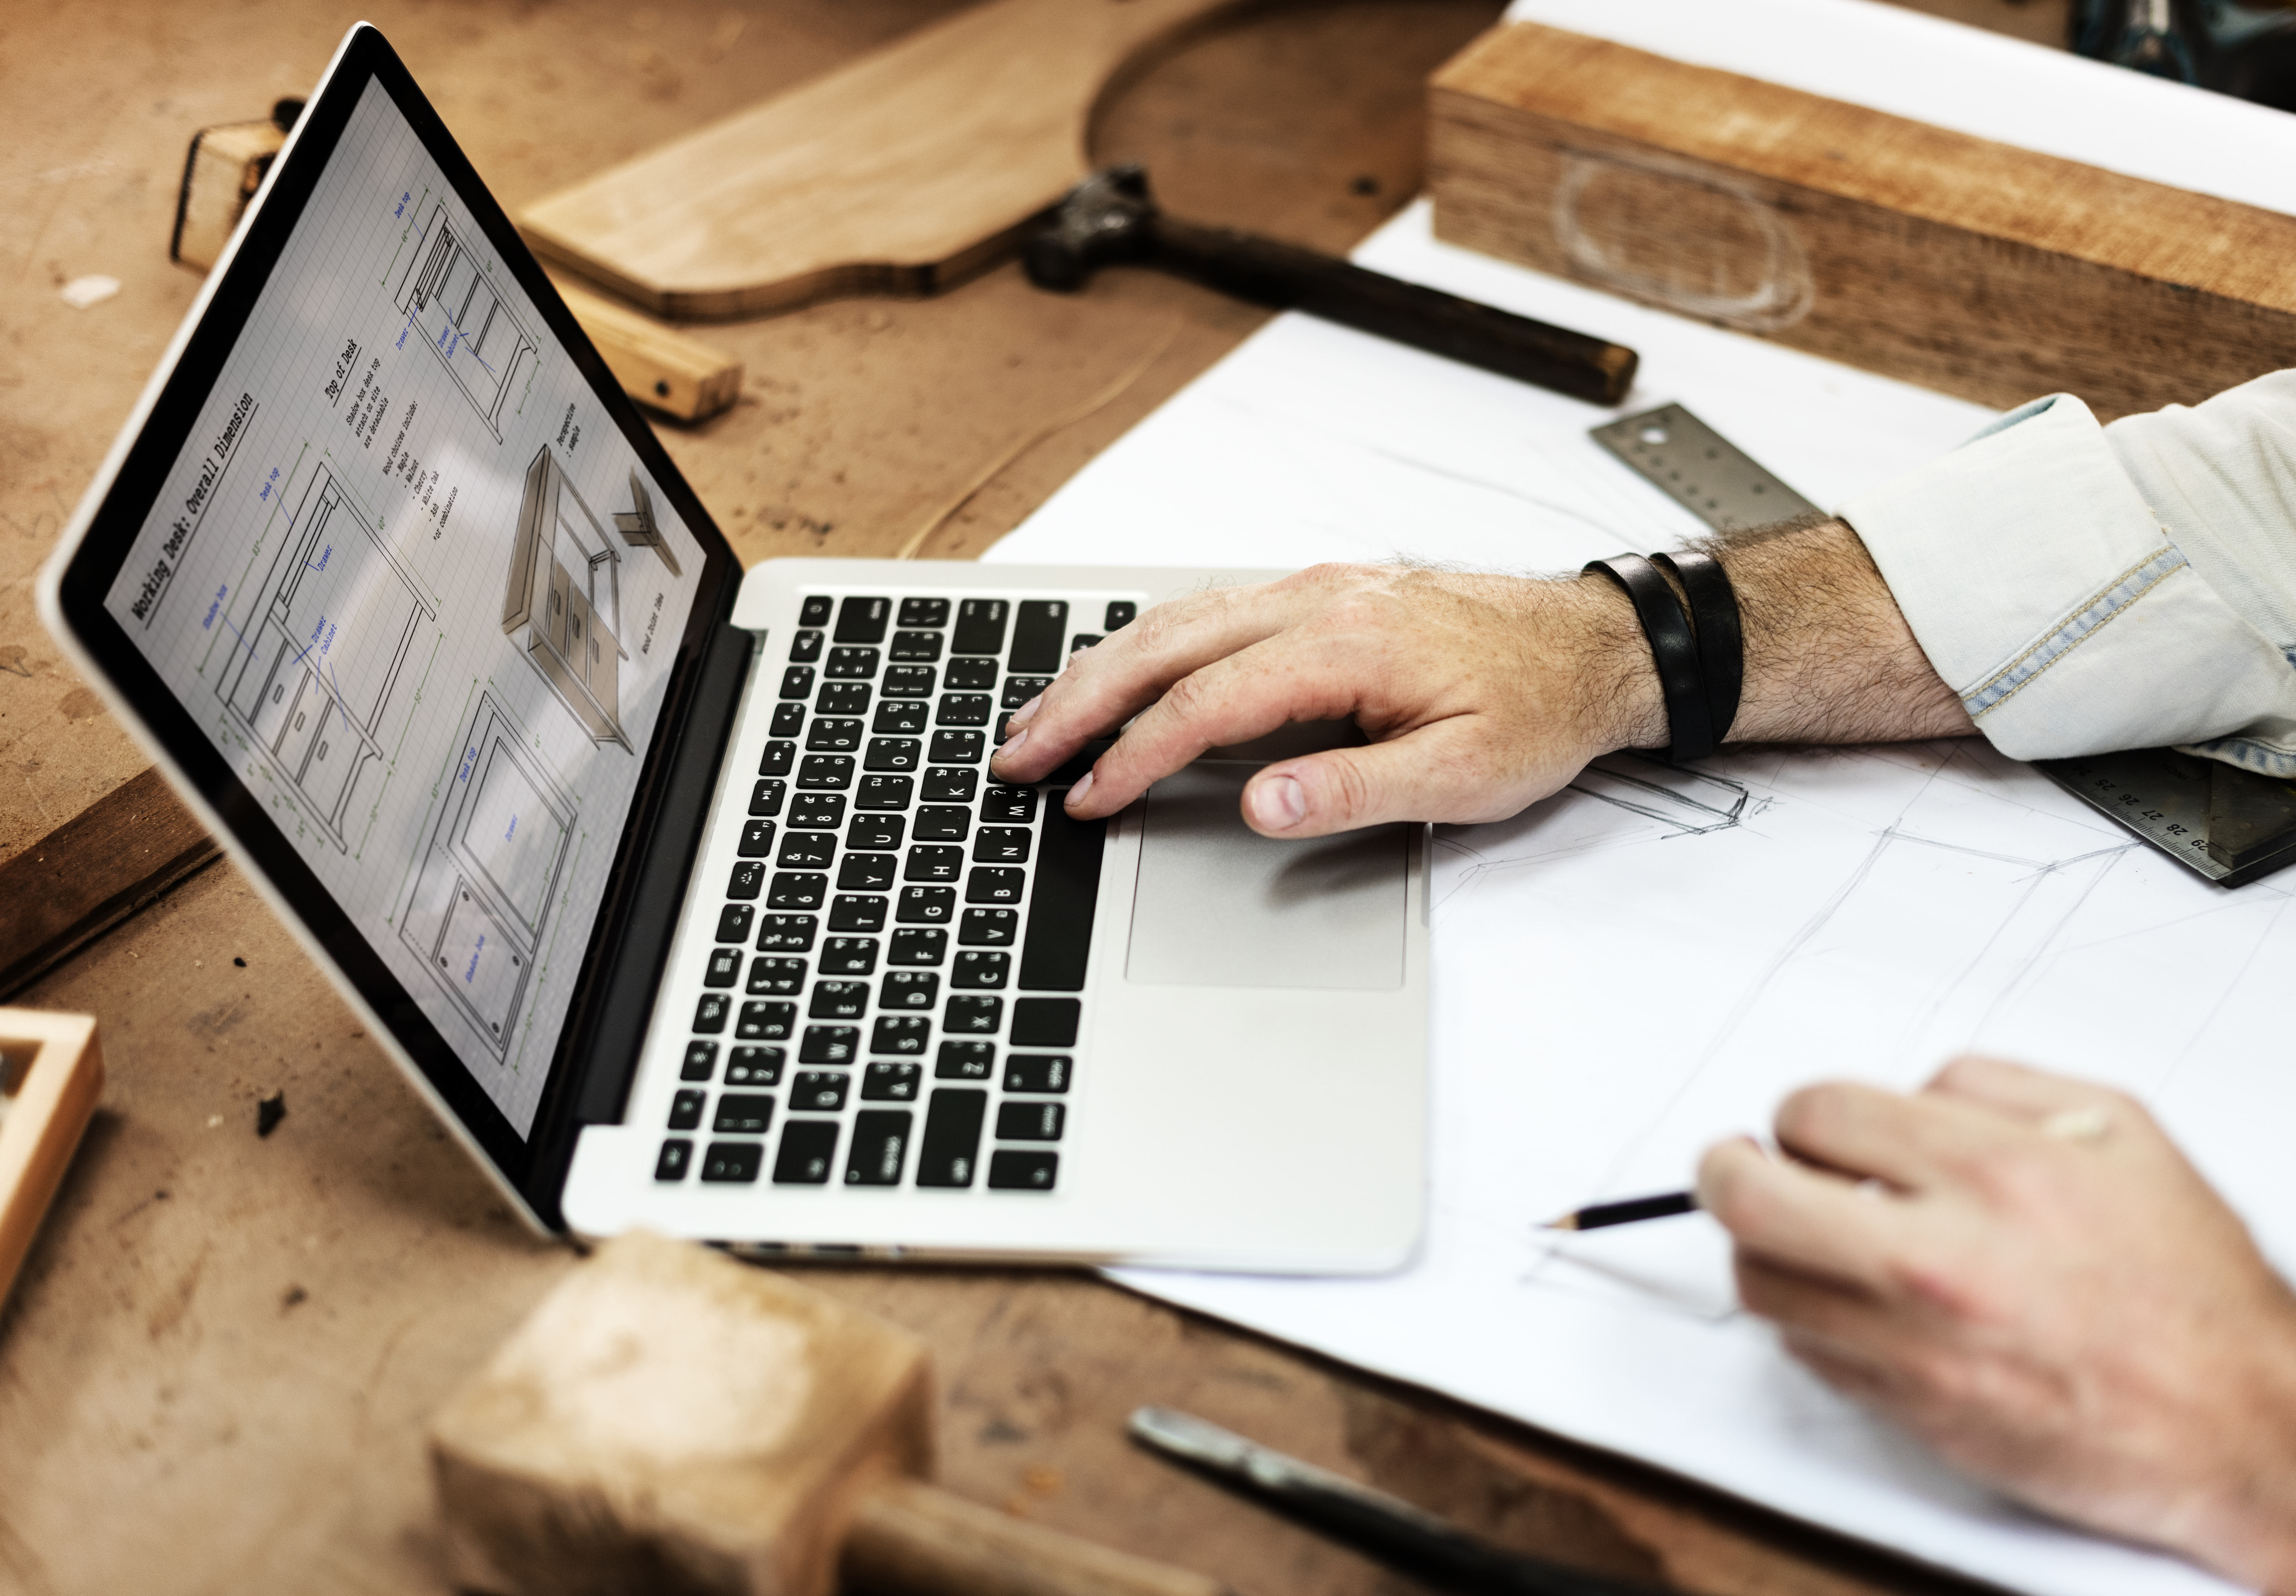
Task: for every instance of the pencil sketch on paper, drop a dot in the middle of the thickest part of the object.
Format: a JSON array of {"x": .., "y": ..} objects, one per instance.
[
  {"x": 450, "y": 299},
  {"x": 320, "y": 650},
  {"x": 1619, "y": 798}
]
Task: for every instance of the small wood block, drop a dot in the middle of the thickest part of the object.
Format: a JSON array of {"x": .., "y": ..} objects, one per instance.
[
  {"x": 51, "y": 1074},
  {"x": 668, "y": 1419},
  {"x": 1964, "y": 265},
  {"x": 898, "y": 174},
  {"x": 221, "y": 174}
]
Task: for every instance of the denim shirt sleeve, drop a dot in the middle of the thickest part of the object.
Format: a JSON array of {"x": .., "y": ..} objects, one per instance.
[{"x": 2086, "y": 588}]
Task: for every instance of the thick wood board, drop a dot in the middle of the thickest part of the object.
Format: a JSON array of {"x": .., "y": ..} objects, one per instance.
[
  {"x": 50, "y": 1071},
  {"x": 898, "y": 174},
  {"x": 1966, "y": 266}
]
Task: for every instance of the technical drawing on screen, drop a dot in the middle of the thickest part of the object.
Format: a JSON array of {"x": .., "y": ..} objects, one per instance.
[{"x": 467, "y": 324}]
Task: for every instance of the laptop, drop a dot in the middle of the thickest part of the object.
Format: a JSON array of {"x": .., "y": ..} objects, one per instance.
[{"x": 684, "y": 894}]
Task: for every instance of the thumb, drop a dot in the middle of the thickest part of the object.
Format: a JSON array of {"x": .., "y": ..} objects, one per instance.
[{"x": 1439, "y": 772}]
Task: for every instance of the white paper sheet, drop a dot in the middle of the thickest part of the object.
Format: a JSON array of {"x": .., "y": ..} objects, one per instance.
[{"x": 1645, "y": 963}]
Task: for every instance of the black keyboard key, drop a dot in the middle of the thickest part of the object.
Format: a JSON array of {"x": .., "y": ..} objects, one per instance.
[
  {"x": 710, "y": 1014},
  {"x": 825, "y": 771},
  {"x": 971, "y": 674},
  {"x": 700, "y": 1059},
  {"x": 894, "y": 1083},
  {"x": 797, "y": 683},
  {"x": 900, "y": 1035},
  {"x": 894, "y": 753},
  {"x": 789, "y": 720},
  {"x": 867, "y": 873},
  {"x": 1038, "y": 1072},
  {"x": 677, "y": 1153},
  {"x": 852, "y": 914},
  {"x": 1030, "y": 1121},
  {"x": 1038, "y": 628},
  {"x": 943, "y": 824},
  {"x": 779, "y": 758},
  {"x": 906, "y": 991},
  {"x": 1008, "y": 805},
  {"x": 734, "y": 922},
  {"x": 808, "y": 1148},
  {"x": 808, "y": 850},
  {"x": 1083, "y": 640},
  {"x": 848, "y": 956},
  {"x": 1020, "y": 689},
  {"x": 834, "y": 737},
  {"x": 980, "y": 971},
  {"x": 1061, "y": 904},
  {"x": 863, "y": 620},
  {"x": 924, "y": 612},
  {"x": 766, "y": 798},
  {"x": 910, "y": 681},
  {"x": 988, "y": 885},
  {"x": 957, "y": 747},
  {"x": 1001, "y": 845},
  {"x": 748, "y": 880},
  {"x": 786, "y": 934},
  {"x": 685, "y": 1110},
  {"x": 963, "y": 709},
  {"x": 775, "y": 975},
  {"x": 951, "y": 786},
  {"x": 966, "y": 1061},
  {"x": 743, "y": 1114},
  {"x": 921, "y": 648},
  {"x": 724, "y": 967},
  {"x": 815, "y": 611},
  {"x": 1119, "y": 614},
  {"x": 918, "y": 947},
  {"x": 842, "y": 698},
  {"x": 972, "y": 1016},
  {"x": 754, "y": 1067},
  {"x": 829, "y": 1044},
  {"x": 817, "y": 810},
  {"x": 1044, "y": 1022},
  {"x": 732, "y": 1163},
  {"x": 950, "y": 1148},
  {"x": 839, "y": 1000},
  {"x": 933, "y": 862},
  {"x": 1004, "y": 728},
  {"x": 757, "y": 838},
  {"x": 798, "y": 889},
  {"x": 926, "y": 906},
  {"x": 1015, "y": 1169},
  {"x": 988, "y": 927},
  {"x": 876, "y": 832},
  {"x": 881, "y": 1144},
  {"x": 819, "y": 1090},
  {"x": 805, "y": 648},
  {"x": 902, "y": 717},
  {"x": 850, "y": 665},
  {"x": 763, "y": 1020},
  {"x": 979, "y": 627},
  {"x": 883, "y": 792}
]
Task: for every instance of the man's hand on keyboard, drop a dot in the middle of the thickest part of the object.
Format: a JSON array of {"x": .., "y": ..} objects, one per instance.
[
  {"x": 1479, "y": 694},
  {"x": 2022, "y": 1271}
]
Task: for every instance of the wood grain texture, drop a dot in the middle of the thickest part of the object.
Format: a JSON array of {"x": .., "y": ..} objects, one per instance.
[
  {"x": 1964, "y": 265},
  {"x": 898, "y": 173},
  {"x": 53, "y": 1072},
  {"x": 661, "y": 368}
]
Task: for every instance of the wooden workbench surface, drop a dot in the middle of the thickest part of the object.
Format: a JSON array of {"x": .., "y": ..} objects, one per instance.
[{"x": 213, "y": 1370}]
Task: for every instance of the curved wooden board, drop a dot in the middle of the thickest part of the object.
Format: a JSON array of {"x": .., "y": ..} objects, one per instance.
[{"x": 896, "y": 175}]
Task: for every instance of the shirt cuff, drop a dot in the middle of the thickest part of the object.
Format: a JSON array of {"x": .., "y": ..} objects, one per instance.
[{"x": 2052, "y": 600}]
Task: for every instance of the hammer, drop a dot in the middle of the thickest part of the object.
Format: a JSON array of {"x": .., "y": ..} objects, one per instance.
[
  {"x": 671, "y": 1422},
  {"x": 1110, "y": 216}
]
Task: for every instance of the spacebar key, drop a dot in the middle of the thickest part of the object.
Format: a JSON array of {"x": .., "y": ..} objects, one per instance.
[{"x": 1052, "y": 954}]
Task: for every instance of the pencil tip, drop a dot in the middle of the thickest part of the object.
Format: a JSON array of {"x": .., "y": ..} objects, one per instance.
[{"x": 1569, "y": 1222}]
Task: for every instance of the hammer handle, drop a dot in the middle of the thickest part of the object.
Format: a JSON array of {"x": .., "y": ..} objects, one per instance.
[
  {"x": 1287, "y": 277},
  {"x": 909, "y": 1539}
]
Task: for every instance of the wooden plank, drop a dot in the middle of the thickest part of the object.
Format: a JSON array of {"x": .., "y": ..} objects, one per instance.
[
  {"x": 898, "y": 173},
  {"x": 1965, "y": 265},
  {"x": 94, "y": 872},
  {"x": 51, "y": 1074},
  {"x": 656, "y": 365}
]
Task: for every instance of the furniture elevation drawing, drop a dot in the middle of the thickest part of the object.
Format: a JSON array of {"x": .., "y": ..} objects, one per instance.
[
  {"x": 563, "y": 603},
  {"x": 637, "y": 527},
  {"x": 321, "y": 650},
  {"x": 491, "y": 874},
  {"x": 448, "y": 298}
]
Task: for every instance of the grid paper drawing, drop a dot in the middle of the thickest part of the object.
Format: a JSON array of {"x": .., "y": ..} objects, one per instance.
[
  {"x": 490, "y": 873},
  {"x": 561, "y": 603},
  {"x": 321, "y": 651},
  {"x": 469, "y": 327}
]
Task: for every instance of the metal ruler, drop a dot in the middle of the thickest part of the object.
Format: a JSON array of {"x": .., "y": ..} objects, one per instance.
[{"x": 2226, "y": 824}]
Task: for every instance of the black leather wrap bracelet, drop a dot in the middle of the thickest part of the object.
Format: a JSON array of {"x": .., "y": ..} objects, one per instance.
[
  {"x": 1721, "y": 637},
  {"x": 1674, "y": 650}
]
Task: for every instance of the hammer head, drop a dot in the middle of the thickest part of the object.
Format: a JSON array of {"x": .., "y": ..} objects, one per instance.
[{"x": 1108, "y": 217}]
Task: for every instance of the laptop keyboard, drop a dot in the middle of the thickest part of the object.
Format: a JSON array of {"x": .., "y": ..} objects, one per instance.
[{"x": 892, "y": 994}]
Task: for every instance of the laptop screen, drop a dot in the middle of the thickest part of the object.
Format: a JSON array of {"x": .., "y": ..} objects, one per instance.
[{"x": 419, "y": 581}]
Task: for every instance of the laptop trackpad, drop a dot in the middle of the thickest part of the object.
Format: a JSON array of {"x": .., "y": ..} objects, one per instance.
[{"x": 1217, "y": 905}]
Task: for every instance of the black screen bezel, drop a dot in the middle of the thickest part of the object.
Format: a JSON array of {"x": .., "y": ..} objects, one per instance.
[{"x": 534, "y": 1165}]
